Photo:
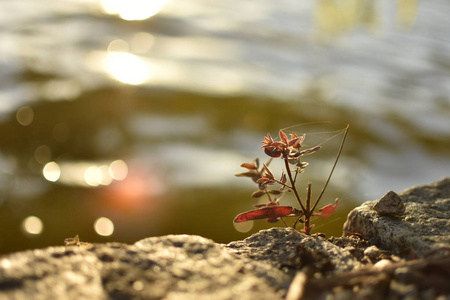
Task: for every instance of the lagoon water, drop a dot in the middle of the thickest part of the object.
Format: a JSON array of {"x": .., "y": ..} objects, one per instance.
[{"x": 121, "y": 120}]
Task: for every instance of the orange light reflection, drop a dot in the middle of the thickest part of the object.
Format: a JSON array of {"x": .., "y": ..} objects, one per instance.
[{"x": 139, "y": 191}]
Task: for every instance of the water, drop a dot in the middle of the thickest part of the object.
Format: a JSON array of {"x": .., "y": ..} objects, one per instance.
[{"x": 117, "y": 130}]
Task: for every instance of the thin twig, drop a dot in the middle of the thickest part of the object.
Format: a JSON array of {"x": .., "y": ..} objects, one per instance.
[
  {"x": 332, "y": 169},
  {"x": 294, "y": 189}
]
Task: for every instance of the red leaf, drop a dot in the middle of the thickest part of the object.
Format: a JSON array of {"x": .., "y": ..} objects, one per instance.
[
  {"x": 327, "y": 210},
  {"x": 258, "y": 194},
  {"x": 283, "y": 137},
  {"x": 268, "y": 173},
  {"x": 273, "y": 220},
  {"x": 271, "y": 212}
]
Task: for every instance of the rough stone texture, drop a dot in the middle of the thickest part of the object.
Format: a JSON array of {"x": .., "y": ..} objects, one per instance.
[
  {"x": 390, "y": 204},
  {"x": 285, "y": 247},
  {"x": 169, "y": 267},
  {"x": 425, "y": 225}
]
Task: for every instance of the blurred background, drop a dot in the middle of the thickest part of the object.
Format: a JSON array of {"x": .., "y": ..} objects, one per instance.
[{"x": 121, "y": 120}]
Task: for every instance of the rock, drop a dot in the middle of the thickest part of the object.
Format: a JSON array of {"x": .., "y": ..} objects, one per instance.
[
  {"x": 286, "y": 247},
  {"x": 424, "y": 226},
  {"x": 390, "y": 204},
  {"x": 169, "y": 267}
]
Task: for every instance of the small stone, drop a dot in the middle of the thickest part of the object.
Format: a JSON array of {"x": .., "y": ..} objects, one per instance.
[
  {"x": 390, "y": 204},
  {"x": 383, "y": 264},
  {"x": 372, "y": 252}
]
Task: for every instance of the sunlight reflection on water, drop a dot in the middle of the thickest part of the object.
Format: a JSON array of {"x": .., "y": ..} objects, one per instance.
[{"x": 132, "y": 10}]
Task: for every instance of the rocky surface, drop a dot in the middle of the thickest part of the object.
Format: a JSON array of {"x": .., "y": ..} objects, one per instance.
[
  {"x": 169, "y": 267},
  {"x": 279, "y": 263},
  {"x": 421, "y": 225}
]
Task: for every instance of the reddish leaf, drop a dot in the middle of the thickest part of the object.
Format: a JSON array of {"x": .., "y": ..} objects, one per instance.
[
  {"x": 327, "y": 210},
  {"x": 310, "y": 150},
  {"x": 258, "y": 194},
  {"x": 275, "y": 192},
  {"x": 247, "y": 174},
  {"x": 249, "y": 166},
  {"x": 271, "y": 212},
  {"x": 256, "y": 163},
  {"x": 268, "y": 174},
  {"x": 267, "y": 140},
  {"x": 273, "y": 220},
  {"x": 283, "y": 137},
  {"x": 283, "y": 178},
  {"x": 272, "y": 151}
]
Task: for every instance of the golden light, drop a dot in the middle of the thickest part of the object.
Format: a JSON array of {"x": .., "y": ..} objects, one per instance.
[
  {"x": 104, "y": 226},
  {"x": 243, "y": 227},
  {"x": 81, "y": 173},
  {"x": 25, "y": 115},
  {"x": 118, "y": 170},
  {"x": 90, "y": 176},
  {"x": 127, "y": 68},
  {"x": 118, "y": 46},
  {"x": 132, "y": 10},
  {"x": 141, "y": 42},
  {"x": 32, "y": 225},
  {"x": 51, "y": 171},
  {"x": 102, "y": 175}
]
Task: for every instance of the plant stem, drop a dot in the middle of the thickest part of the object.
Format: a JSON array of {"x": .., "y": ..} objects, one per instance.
[
  {"x": 294, "y": 189},
  {"x": 308, "y": 210}
]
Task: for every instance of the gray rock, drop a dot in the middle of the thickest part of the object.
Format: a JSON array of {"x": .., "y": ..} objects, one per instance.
[
  {"x": 169, "y": 267},
  {"x": 286, "y": 247},
  {"x": 424, "y": 226},
  {"x": 390, "y": 204}
]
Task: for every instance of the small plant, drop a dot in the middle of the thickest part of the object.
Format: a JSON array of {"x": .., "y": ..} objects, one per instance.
[{"x": 289, "y": 149}]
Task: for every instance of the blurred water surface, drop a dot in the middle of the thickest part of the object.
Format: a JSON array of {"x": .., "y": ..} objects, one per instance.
[{"x": 126, "y": 119}]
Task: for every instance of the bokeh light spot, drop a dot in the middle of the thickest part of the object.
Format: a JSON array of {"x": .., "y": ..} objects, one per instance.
[
  {"x": 142, "y": 42},
  {"x": 43, "y": 154},
  {"x": 118, "y": 46},
  {"x": 127, "y": 68},
  {"x": 243, "y": 227},
  {"x": 104, "y": 226},
  {"x": 102, "y": 175},
  {"x": 52, "y": 171},
  {"x": 32, "y": 225},
  {"x": 131, "y": 10},
  {"x": 90, "y": 176},
  {"x": 25, "y": 115},
  {"x": 118, "y": 170}
]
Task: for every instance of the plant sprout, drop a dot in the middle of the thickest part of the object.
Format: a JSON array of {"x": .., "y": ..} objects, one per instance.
[{"x": 289, "y": 149}]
